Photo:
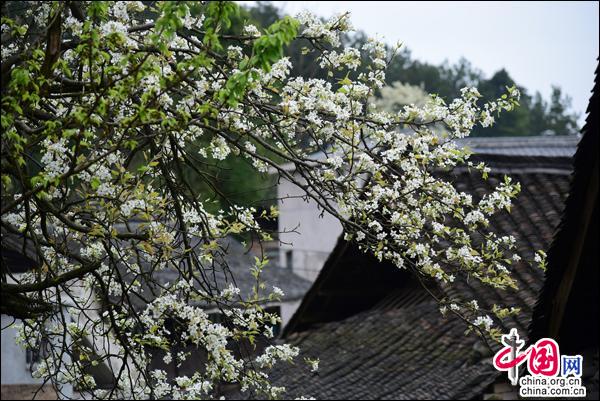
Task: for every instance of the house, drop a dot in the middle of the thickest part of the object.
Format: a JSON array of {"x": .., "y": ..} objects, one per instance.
[
  {"x": 307, "y": 234},
  {"x": 18, "y": 364},
  {"x": 379, "y": 335},
  {"x": 19, "y": 256}
]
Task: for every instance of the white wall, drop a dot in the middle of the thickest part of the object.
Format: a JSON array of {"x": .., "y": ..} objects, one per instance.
[
  {"x": 14, "y": 367},
  {"x": 317, "y": 235},
  {"x": 287, "y": 311}
]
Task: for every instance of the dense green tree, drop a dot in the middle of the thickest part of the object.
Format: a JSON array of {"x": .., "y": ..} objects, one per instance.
[
  {"x": 517, "y": 124},
  {"x": 559, "y": 118}
]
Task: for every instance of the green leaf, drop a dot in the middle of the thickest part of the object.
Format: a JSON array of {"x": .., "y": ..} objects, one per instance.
[{"x": 95, "y": 182}]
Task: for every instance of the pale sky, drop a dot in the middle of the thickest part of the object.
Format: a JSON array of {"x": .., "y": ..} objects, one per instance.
[{"x": 538, "y": 43}]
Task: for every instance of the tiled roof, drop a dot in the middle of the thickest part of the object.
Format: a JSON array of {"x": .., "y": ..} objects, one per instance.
[
  {"x": 548, "y": 146},
  {"x": 533, "y": 146},
  {"x": 404, "y": 352},
  {"x": 402, "y": 347},
  {"x": 18, "y": 253}
]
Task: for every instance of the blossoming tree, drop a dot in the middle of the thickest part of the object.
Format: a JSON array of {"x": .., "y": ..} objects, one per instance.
[{"x": 105, "y": 105}]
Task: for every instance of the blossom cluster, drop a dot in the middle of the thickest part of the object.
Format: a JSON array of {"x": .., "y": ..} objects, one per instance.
[{"x": 145, "y": 104}]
